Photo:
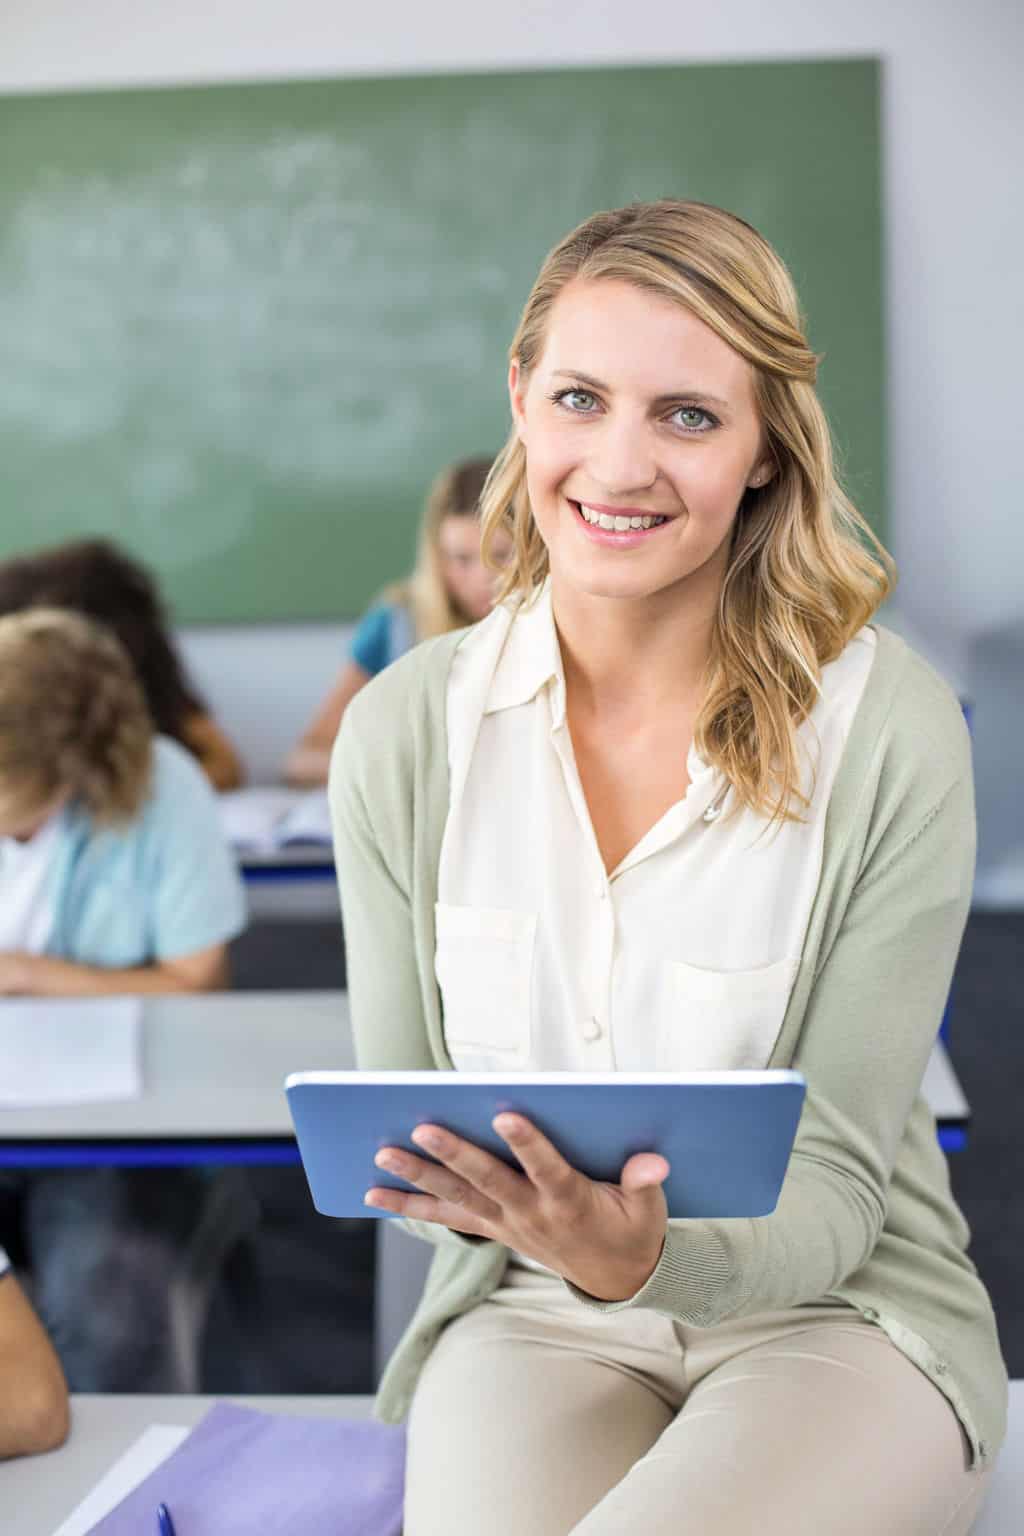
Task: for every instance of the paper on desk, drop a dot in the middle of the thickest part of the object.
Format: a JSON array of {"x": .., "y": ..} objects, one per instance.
[
  {"x": 152, "y": 1447},
  {"x": 265, "y": 819},
  {"x": 241, "y": 1471},
  {"x": 69, "y": 1051}
]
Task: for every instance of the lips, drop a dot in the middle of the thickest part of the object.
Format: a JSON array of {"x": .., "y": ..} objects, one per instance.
[{"x": 619, "y": 522}]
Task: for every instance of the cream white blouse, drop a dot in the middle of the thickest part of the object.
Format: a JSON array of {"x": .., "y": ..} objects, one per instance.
[{"x": 683, "y": 958}]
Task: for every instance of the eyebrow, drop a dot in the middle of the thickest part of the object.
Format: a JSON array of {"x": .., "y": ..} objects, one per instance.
[{"x": 677, "y": 394}]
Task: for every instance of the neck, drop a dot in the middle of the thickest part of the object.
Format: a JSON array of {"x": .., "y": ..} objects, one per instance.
[{"x": 634, "y": 657}]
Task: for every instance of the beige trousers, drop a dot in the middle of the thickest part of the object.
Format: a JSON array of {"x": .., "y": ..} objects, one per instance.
[{"x": 537, "y": 1417}]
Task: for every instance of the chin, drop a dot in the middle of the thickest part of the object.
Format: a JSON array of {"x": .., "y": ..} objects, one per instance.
[{"x": 614, "y": 585}]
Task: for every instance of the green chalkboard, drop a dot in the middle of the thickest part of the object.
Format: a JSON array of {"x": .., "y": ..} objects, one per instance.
[{"x": 242, "y": 326}]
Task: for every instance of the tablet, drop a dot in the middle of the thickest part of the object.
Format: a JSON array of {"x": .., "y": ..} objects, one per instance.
[{"x": 727, "y": 1135}]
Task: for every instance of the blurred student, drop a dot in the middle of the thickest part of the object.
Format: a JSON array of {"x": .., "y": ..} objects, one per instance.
[
  {"x": 33, "y": 1393},
  {"x": 114, "y": 879},
  {"x": 96, "y": 578},
  {"x": 450, "y": 588}
]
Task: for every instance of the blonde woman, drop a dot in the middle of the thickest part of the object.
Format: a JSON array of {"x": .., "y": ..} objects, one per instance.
[
  {"x": 450, "y": 587},
  {"x": 114, "y": 878},
  {"x": 675, "y": 804}
]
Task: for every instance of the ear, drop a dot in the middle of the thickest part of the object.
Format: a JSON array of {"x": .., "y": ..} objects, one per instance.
[
  {"x": 517, "y": 398},
  {"x": 763, "y": 471}
]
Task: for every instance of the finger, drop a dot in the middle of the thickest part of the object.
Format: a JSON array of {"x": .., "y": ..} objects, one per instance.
[
  {"x": 541, "y": 1160},
  {"x": 425, "y": 1208},
  {"x": 488, "y": 1175},
  {"x": 435, "y": 1179},
  {"x": 646, "y": 1170}
]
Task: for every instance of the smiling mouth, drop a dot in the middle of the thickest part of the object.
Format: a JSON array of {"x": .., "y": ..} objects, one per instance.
[{"x": 619, "y": 522}]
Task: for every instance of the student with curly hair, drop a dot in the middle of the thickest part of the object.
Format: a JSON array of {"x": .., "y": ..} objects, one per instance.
[
  {"x": 96, "y": 578},
  {"x": 114, "y": 879},
  {"x": 676, "y": 804}
]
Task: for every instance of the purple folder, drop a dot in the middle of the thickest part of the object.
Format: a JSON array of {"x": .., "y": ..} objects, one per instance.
[{"x": 242, "y": 1472}]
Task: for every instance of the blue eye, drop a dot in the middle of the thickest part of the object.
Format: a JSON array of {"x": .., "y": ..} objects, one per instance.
[
  {"x": 694, "y": 419},
  {"x": 564, "y": 396}
]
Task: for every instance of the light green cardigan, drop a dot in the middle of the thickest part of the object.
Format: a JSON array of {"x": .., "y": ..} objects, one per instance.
[{"x": 866, "y": 1214}]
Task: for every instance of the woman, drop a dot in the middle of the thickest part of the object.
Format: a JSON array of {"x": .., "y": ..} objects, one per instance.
[
  {"x": 674, "y": 805},
  {"x": 96, "y": 578},
  {"x": 449, "y": 588},
  {"x": 114, "y": 880}
]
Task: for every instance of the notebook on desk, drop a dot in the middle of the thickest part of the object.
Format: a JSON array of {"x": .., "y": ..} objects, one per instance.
[
  {"x": 241, "y": 1471},
  {"x": 261, "y": 820}
]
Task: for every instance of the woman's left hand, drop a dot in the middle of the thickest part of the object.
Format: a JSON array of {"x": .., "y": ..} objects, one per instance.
[{"x": 604, "y": 1238}]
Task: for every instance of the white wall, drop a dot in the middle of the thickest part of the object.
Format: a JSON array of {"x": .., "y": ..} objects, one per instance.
[{"x": 953, "y": 129}]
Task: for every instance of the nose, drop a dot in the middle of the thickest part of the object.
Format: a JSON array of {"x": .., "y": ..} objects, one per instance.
[{"x": 622, "y": 457}]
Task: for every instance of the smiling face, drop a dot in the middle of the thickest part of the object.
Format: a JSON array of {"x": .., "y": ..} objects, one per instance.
[{"x": 642, "y": 434}]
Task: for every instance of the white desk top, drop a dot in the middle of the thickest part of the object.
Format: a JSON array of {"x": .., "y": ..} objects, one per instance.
[
  {"x": 214, "y": 1067},
  {"x": 37, "y": 1493}
]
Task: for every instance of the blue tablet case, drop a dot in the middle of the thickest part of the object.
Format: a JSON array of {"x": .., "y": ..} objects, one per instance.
[{"x": 727, "y": 1135}]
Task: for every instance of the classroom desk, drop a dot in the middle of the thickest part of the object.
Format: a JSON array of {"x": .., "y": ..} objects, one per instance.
[
  {"x": 213, "y": 1069},
  {"x": 37, "y": 1493},
  {"x": 295, "y": 884},
  {"x": 213, "y": 1072}
]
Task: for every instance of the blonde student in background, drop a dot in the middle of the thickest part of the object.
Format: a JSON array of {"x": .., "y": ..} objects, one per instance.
[
  {"x": 114, "y": 879},
  {"x": 676, "y": 804},
  {"x": 450, "y": 587},
  {"x": 33, "y": 1392}
]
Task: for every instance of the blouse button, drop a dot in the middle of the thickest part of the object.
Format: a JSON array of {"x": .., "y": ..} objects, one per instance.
[{"x": 592, "y": 1030}]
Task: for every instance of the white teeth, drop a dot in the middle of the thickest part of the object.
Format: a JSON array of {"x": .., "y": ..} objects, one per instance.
[{"x": 617, "y": 524}]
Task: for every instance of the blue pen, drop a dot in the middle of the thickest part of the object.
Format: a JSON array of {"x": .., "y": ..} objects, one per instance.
[{"x": 165, "y": 1525}]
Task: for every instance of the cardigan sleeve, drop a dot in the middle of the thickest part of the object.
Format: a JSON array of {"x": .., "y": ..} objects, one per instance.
[
  {"x": 376, "y": 902},
  {"x": 868, "y": 1029},
  {"x": 374, "y": 864}
]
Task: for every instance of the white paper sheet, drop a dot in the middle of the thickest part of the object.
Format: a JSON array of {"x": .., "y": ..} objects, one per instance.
[
  {"x": 250, "y": 817},
  {"x": 73, "y": 1051},
  {"x": 152, "y": 1447},
  {"x": 265, "y": 819}
]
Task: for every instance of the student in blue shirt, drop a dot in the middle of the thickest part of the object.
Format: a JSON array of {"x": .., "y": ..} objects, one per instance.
[
  {"x": 114, "y": 879},
  {"x": 449, "y": 588}
]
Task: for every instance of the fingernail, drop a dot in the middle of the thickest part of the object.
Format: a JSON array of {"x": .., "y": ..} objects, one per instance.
[
  {"x": 386, "y": 1160},
  {"x": 508, "y": 1127},
  {"x": 427, "y": 1138}
]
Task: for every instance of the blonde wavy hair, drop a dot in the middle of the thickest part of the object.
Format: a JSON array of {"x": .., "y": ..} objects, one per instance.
[
  {"x": 73, "y": 717},
  {"x": 455, "y": 492},
  {"x": 805, "y": 571}
]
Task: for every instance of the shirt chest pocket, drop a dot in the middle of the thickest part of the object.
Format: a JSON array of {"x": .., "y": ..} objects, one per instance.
[
  {"x": 483, "y": 961},
  {"x": 722, "y": 1020}
]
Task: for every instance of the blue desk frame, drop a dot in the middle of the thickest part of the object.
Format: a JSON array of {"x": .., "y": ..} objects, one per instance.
[
  {"x": 280, "y": 1151},
  {"x": 249, "y": 1152}
]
